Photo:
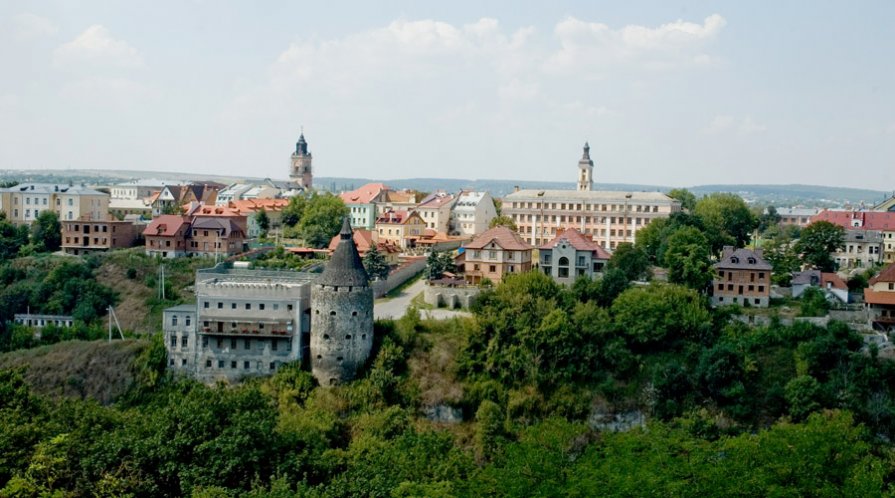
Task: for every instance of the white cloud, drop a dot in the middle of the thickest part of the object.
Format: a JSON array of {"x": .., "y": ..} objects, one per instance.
[
  {"x": 27, "y": 26},
  {"x": 748, "y": 126},
  {"x": 518, "y": 90},
  {"x": 97, "y": 46},
  {"x": 103, "y": 91},
  {"x": 590, "y": 47}
]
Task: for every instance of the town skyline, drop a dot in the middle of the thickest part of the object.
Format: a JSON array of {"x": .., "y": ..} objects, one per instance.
[{"x": 683, "y": 95}]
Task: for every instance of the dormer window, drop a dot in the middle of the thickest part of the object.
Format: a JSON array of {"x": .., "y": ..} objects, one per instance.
[
  {"x": 751, "y": 261},
  {"x": 734, "y": 260}
]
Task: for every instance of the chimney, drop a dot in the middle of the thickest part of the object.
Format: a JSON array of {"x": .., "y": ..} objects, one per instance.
[{"x": 515, "y": 188}]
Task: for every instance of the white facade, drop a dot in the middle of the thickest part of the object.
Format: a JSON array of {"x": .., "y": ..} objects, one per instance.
[
  {"x": 472, "y": 213},
  {"x": 24, "y": 203}
]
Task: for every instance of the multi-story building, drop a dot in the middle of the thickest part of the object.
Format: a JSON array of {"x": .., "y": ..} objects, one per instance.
[
  {"x": 251, "y": 207},
  {"x": 435, "y": 210},
  {"x": 86, "y": 236},
  {"x": 363, "y": 241},
  {"x": 800, "y": 217},
  {"x": 402, "y": 228},
  {"x": 862, "y": 248},
  {"x": 140, "y": 189},
  {"x": 216, "y": 236},
  {"x": 609, "y": 217},
  {"x": 494, "y": 254},
  {"x": 830, "y": 284},
  {"x": 362, "y": 204},
  {"x": 244, "y": 323},
  {"x": 397, "y": 200},
  {"x": 742, "y": 277},
  {"x": 166, "y": 236},
  {"x": 571, "y": 255},
  {"x": 23, "y": 203},
  {"x": 881, "y": 221},
  {"x": 171, "y": 199},
  {"x": 472, "y": 213},
  {"x": 879, "y": 300}
]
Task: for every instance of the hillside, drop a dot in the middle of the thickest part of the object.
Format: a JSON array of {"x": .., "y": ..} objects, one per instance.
[{"x": 98, "y": 370}]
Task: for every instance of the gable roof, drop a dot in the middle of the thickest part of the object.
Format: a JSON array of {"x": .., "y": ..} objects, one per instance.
[
  {"x": 581, "y": 243},
  {"x": 436, "y": 200},
  {"x": 502, "y": 236},
  {"x": 363, "y": 240},
  {"x": 250, "y": 206},
  {"x": 166, "y": 225},
  {"x": 886, "y": 275},
  {"x": 816, "y": 277},
  {"x": 400, "y": 217},
  {"x": 738, "y": 259},
  {"x": 227, "y": 225},
  {"x": 363, "y": 195}
]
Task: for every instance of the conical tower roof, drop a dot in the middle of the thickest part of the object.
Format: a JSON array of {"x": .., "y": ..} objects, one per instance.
[{"x": 345, "y": 266}]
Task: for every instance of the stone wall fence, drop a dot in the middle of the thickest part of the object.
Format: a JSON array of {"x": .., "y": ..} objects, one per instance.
[{"x": 404, "y": 272}]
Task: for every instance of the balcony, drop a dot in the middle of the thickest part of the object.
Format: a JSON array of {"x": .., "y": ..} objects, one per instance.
[{"x": 247, "y": 329}]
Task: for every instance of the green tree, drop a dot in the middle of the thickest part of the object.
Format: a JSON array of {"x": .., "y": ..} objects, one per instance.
[
  {"x": 294, "y": 211},
  {"x": 437, "y": 263},
  {"x": 688, "y": 200},
  {"x": 630, "y": 259},
  {"x": 662, "y": 314},
  {"x": 503, "y": 221},
  {"x": 813, "y": 303},
  {"x": 488, "y": 430},
  {"x": 375, "y": 264},
  {"x": 687, "y": 259},
  {"x": 727, "y": 220},
  {"x": 46, "y": 232},
  {"x": 781, "y": 253},
  {"x": 263, "y": 221},
  {"x": 802, "y": 394},
  {"x": 322, "y": 219},
  {"x": 817, "y": 243},
  {"x": 769, "y": 218},
  {"x": 651, "y": 237}
]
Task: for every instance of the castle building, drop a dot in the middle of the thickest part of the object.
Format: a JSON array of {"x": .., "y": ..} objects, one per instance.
[
  {"x": 244, "y": 323},
  {"x": 607, "y": 217},
  {"x": 342, "y": 317},
  {"x": 301, "y": 171}
]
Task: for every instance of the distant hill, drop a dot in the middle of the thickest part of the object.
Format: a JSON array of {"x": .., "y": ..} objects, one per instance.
[{"x": 779, "y": 195}]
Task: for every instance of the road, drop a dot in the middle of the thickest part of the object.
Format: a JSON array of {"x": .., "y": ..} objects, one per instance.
[{"x": 395, "y": 307}]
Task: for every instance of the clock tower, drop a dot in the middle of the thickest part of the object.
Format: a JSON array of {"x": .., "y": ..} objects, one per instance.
[
  {"x": 585, "y": 171},
  {"x": 301, "y": 171}
]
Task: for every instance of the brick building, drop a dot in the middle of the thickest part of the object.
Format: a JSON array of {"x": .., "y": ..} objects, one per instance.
[
  {"x": 85, "y": 236},
  {"x": 742, "y": 277}
]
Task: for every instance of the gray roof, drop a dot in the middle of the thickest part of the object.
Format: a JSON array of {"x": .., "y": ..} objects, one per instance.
[
  {"x": 739, "y": 259},
  {"x": 51, "y": 188},
  {"x": 181, "y": 308},
  {"x": 808, "y": 277},
  {"x": 345, "y": 266},
  {"x": 866, "y": 236},
  {"x": 590, "y": 195}
]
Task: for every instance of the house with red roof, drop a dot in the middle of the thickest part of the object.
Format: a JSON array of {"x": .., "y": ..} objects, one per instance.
[
  {"x": 882, "y": 222},
  {"x": 571, "y": 255},
  {"x": 879, "y": 300},
  {"x": 363, "y": 239},
  {"x": 251, "y": 207},
  {"x": 742, "y": 277},
  {"x": 494, "y": 254},
  {"x": 402, "y": 228},
  {"x": 166, "y": 236},
  {"x": 362, "y": 204},
  {"x": 833, "y": 287}
]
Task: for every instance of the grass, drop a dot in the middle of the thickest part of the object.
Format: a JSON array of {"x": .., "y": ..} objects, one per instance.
[
  {"x": 397, "y": 291},
  {"x": 419, "y": 302},
  {"x": 96, "y": 370}
]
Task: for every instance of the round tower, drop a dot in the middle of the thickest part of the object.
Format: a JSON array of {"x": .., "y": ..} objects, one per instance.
[{"x": 341, "y": 315}]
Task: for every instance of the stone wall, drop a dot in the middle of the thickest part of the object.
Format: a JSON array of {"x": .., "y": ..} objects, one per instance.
[
  {"x": 341, "y": 331},
  {"x": 404, "y": 272},
  {"x": 450, "y": 297}
]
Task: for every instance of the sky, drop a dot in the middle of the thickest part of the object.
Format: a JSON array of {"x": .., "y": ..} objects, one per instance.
[{"x": 666, "y": 93}]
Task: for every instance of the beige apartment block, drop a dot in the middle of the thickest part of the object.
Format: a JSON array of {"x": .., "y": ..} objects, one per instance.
[{"x": 24, "y": 203}]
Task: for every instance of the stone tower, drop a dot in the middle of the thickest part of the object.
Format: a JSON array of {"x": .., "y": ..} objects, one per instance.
[
  {"x": 301, "y": 171},
  {"x": 585, "y": 171},
  {"x": 341, "y": 316}
]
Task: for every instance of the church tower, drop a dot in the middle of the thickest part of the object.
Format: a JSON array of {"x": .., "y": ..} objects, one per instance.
[
  {"x": 301, "y": 164},
  {"x": 342, "y": 315},
  {"x": 585, "y": 171}
]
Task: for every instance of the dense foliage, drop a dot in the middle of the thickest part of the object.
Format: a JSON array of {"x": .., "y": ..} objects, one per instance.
[
  {"x": 315, "y": 219},
  {"x": 794, "y": 410}
]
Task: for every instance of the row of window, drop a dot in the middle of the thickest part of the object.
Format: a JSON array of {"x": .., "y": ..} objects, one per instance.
[
  {"x": 44, "y": 199},
  {"x": 729, "y": 274},
  {"x": 744, "y": 300},
  {"x": 248, "y": 306},
  {"x": 751, "y": 288},
  {"x": 636, "y": 208},
  {"x": 234, "y": 343},
  {"x": 621, "y": 220}
]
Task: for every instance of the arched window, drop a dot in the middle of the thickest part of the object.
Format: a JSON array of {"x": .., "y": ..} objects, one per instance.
[
  {"x": 734, "y": 260},
  {"x": 563, "y": 267},
  {"x": 751, "y": 261}
]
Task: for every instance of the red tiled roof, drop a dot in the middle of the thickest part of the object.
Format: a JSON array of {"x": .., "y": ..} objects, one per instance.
[
  {"x": 579, "y": 242},
  {"x": 166, "y": 225},
  {"x": 503, "y": 237},
  {"x": 886, "y": 275},
  {"x": 363, "y": 239},
  {"x": 249, "y": 206},
  {"x": 866, "y": 220},
  {"x": 363, "y": 195},
  {"x": 833, "y": 280},
  {"x": 397, "y": 217},
  {"x": 878, "y": 297}
]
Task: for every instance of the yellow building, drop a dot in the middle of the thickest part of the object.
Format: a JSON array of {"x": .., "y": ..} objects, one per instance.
[
  {"x": 402, "y": 228},
  {"x": 24, "y": 203}
]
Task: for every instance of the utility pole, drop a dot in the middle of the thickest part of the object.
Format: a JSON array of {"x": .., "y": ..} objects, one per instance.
[
  {"x": 161, "y": 288},
  {"x": 112, "y": 316}
]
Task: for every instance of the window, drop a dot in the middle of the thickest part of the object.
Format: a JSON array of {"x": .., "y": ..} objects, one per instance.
[
  {"x": 273, "y": 365},
  {"x": 174, "y": 321},
  {"x": 232, "y": 306},
  {"x": 187, "y": 321},
  {"x": 563, "y": 267},
  {"x": 205, "y": 305},
  {"x": 289, "y": 307},
  {"x": 261, "y": 306},
  {"x": 233, "y": 364},
  {"x": 761, "y": 275},
  {"x": 183, "y": 362},
  {"x": 220, "y": 343},
  {"x": 173, "y": 341},
  {"x": 720, "y": 287},
  {"x": 248, "y": 344},
  {"x": 220, "y": 363},
  {"x": 245, "y": 365},
  {"x": 207, "y": 363},
  {"x": 220, "y": 305},
  {"x": 233, "y": 343},
  {"x": 205, "y": 343},
  {"x": 273, "y": 344},
  {"x": 248, "y": 306},
  {"x": 760, "y": 288},
  {"x": 183, "y": 341},
  {"x": 492, "y": 268},
  {"x": 276, "y": 306}
]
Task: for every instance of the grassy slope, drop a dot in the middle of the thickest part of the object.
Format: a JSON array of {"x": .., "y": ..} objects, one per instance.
[{"x": 80, "y": 369}]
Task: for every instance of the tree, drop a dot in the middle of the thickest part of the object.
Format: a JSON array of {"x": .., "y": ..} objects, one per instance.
[
  {"x": 630, "y": 259},
  {"x": 813, "y": 303},
  {"x": 46, "y": 232},
  {"x": 687, "y": 259},
  {"x": 651, "y": 237},
  {"x": 688, "y": 200},
  {"x": 662, "y": 313},
  {"x": 322, "y": 219},
  {"x": 780, "y": 252},
  {"x": 770, "y": 218},
  {"x": 263, "y": 221},
  {"x": 818, "y": 240},
  {"x": 12, "y": 238},
  {"x": 727, "y": 220},
  {"x": 375, "y": 264},
  {"x": 294, "y": 211},
  {"x": 437, "y": 263},
  {"x": 503, "y": 221}
]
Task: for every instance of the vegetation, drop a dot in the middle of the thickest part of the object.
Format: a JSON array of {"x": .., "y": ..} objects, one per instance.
[
  {"x": 502, "y": 221},
  {"x": 439, "y": 263},
  {"x": 816, "y": 243},
  {"x": 375, "y": 264},
  {"x": 630, "y": 259},
  {"x": 727, "y": 220},
  {"x": 263, "y": 221},
  {"x": 315, "y": 219}
]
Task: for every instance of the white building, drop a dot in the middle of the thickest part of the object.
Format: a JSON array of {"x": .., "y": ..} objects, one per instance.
[
  {"x": 23, "y": 203},
  {"x": 472, "y": 213},
  {"x": 435, "y": 210}
]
